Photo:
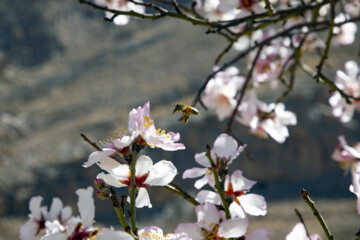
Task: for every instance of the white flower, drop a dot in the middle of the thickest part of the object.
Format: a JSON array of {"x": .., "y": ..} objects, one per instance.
[
  {"x": 40, "y": 215},
  {"x": 266, "y": 119},
  {"x": 236, "y": 189},
  {"x": 225, "y": 150},
  {"x": 155, "y": 233},
  {"x": 349, "y": 83},
  {"x": 299, "y": 233},
  {"x": 140, "y": 129},
  {"x": 345, "y": 34},
  {"x": 146, "y": 173},
  {"x": 121, "y": 5},
  {"x": 346, "y": 155},
  {"x": 221, "y": 90},
  {"x": 212, "y": 224}
]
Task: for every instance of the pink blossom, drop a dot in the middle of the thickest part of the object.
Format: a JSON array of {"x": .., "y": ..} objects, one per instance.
[
  {"x": 236, "y": 189},
  {"x": 156, "y": 233},
  {"x": 346, "y": 155},
  {"x": 146, "y": 173},
  {"x": 349, "y": 83},
  {"x": 40, "y": 215},
  {"x": 212, "y": 224},
  {"x": 225, "y": 150},
  {"x": 221, "y": 90},
  {"x": 121, "y": 5},
  {"x": 299, "y": 233},
  {"x": 141, "y": 129},
  {"x": 266, "y": 119}
]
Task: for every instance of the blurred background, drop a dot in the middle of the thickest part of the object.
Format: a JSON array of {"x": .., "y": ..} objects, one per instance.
[{"x": 64, "y": 71}]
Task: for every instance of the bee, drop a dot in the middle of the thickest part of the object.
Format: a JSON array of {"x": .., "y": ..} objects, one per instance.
[{"x": 186, "y": 111}]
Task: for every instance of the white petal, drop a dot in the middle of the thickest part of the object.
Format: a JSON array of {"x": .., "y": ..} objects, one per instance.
[
  {"x": 35, "y": 207},
  {"x": 65, "y": 214},
  {"x": 192, "y": 229},
  {"x": 110, "y": 234},
  {"x": 298, "y": 232},
  {"x": 194, "y": 172},
  {"x": 161, "y": 173},
  {"x": 55, "y": 209},
  {"x": 86, "y": 206},
  {"x": 143, "y": 165},
  {"x": 110, "y": 180},
  {"x": 201, "y": 182},
  {"x": 239, "y": 182},
  {"x": 151, "y": 233},
  {"x": 253, "y": 204},
  {"x": 225, "y": 146},
  {"x": 121, "y": 20},
  {"x": 236, "y": 210},
  {"x": 177, "y": 236},
  {"x": 233, "y": 228},
  {"x": 207, "y": 216},
  {"x": 202, "y": 159},
  {"x": 28, "y": 230},
  {"x": 109, "y": 164},
  {"x": 97, "y": 156},
  {"x": 143, "y": 199},
  {"x": 208, "y": 196}
]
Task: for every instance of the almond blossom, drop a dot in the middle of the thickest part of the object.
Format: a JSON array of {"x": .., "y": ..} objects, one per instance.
[
  {"x": 141, "y": 129},
  {"x": 111, "y": 234},
  {"x": 349, "y": 83},
  {"x": 147, "y": 174},
  {"x": 299, "y": 233},
  {"x": 77, "y": 227},
  {"x": 224, "y": 151},
  {"x": 121, "y": 5},
  {"x": 221, "y": 90},
  {"x": 265, "y": 119},
  {"x": 40, "y": 215},
  {"x": 344, "y": 154},
  {"x": 156, "y": 233},
  {"x": 236, "y": 188},
  {"x": 212, "y": 224},
  {"x": 345, "y": 33}
]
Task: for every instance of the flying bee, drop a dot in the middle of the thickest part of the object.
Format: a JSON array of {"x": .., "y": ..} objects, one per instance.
[{"x": 186, "y": 111}]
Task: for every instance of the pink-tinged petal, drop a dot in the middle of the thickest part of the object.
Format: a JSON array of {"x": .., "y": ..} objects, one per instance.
[
  {"x": 55, "y": 236},
  {"x": 86, "y": 206},
  {"x": 202, "y": 159},
  {"x": 225, "y": 146},
  {"x": 297, "y": 233},
  {"x": 113, "y": 167},
  {"x": 259, "y": 234},
  {"x": 236, "y": 211},
  {"x": 253, "y": 204},
  {"x": 194, "y": 172},
  {"x": 55, "y": 209},
  {"x": 201, "y": 182},
  {"x": 176, "y": 236},
  {"x": 192, "y": 229},
  {"x": 29, "y": 230},
  {"x": 161, "y": 173},
  {"x": 171, "y": 146},
  {"x": 208, "y": 196},
  {"x": 35, "y": 207},
  {"x": 111, "y": 234},
  {"x": 143, "y": 199},
  {"x": 239, "y": 182},
  {"x": 233, "y": 228},
  {"x": 207, "y": 216},
  {"x": 352, "y": 69},
  {"x": 143, "y": 165},
  {"x": 97, "y": 156},
  {"x": 110, "y": 180}
]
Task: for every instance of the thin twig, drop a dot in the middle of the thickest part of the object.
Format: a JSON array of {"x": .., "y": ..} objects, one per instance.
[
  {"x": 242, "y": 92},
  {"x": 86, "y": 139},
  {"x": 302, "y": 221},
  {"x": 172, "y": 187},
  {"x": 305, "y": 195}
]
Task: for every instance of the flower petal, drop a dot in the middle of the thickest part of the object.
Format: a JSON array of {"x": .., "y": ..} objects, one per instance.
[
  {"x": 161, "y": 173},
  {"x": 192, "y": 229},
  {"x": 253, "y": 204},
  {"x": 86, "y": 206},
  {"x": 97, "y": 156},
  {"x": 233, "y": 228},
  {"x": 143, "y": 199}
]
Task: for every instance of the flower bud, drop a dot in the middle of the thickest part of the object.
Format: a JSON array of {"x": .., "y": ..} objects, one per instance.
[
  {"x": 100, "y": 184},
  {"x": 104, "y": 193}
]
